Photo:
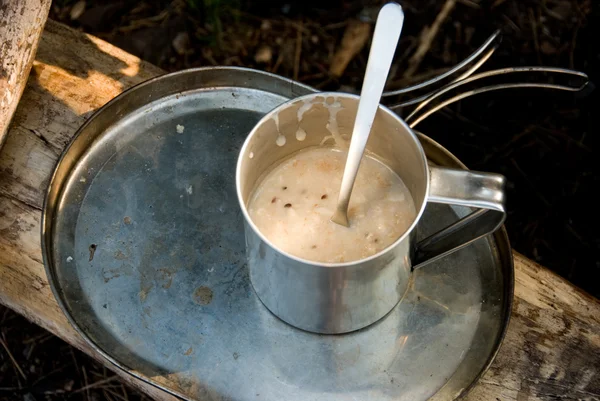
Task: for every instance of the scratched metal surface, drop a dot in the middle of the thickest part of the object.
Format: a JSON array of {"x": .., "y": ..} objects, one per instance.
[{"x": 144, "y": 247}]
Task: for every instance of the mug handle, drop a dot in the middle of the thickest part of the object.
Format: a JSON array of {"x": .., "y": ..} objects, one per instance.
[{"x": 484, "y": 191}]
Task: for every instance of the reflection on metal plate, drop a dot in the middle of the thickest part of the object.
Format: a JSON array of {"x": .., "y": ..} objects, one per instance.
[{"x": 144, "y": 247}]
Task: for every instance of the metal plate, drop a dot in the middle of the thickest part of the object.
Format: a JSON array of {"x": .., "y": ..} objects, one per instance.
[{"x": 144, "y": 248}]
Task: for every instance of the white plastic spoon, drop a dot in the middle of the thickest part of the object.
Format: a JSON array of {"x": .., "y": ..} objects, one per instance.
[{"x": 385, "y": 39}]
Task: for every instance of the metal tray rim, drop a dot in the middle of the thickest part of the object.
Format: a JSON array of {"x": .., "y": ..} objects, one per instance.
[
  {"x": 502, "y": 240},
  {"x": 500, "y": 236}
]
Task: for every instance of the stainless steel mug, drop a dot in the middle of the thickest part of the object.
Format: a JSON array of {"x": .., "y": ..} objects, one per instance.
[{"x": 343, "y": 297}]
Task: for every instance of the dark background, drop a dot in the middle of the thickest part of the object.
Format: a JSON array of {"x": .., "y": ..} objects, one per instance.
[{"x": 545, "y": 142}]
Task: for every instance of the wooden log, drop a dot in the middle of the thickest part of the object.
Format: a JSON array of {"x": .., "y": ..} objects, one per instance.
[
  {"x": 550, "y": 351},
  {"x": 21, "y": 25}
]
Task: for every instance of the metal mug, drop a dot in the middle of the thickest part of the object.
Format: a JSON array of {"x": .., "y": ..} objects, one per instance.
[{"x": 342, "y": 297}]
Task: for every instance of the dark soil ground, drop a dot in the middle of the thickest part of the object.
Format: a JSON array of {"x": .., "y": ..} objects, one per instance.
[{"x": 545, "y": 142}]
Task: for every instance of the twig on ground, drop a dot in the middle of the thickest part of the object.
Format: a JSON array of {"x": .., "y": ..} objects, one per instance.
[
  {"x": 106, "y": 395},
  {"x": 461, "y": 117},
  {"x": 298, "y": 52},
  {"x": 320, "y": 31},
  {"x": 470, "y": 3},
  {"x": 407, "y": 52},
  {"x": 572, "y": 268},
  {"x": 534, "y": 29},
  {"x": 355, "y": 37},
  {"x": 85, "y": 381},
  {"x": 41, "y": 338},
  {"x": 145, "y": 23},
  {"x": 6, "y": 310},
  {"x": 75, "y": 363},
  {"x": 572, "y": 49},
  {"x": 298, "y": 25},
  {"x": 506, "y": 149},
  {"x": 324, "y": 83},
  {"x": 426, "y": 38},
  {"x": 575, "y": 234},
  {"x": 318, "y": 75},
  {"x": 566, "y": 137},
  {"x": 30, "y": 351},
  {"x": 335, "y": 25},
  {"x": 12, "y": 358},
  {"x": 511, "y": 23},
  {"x": 124, "y": 392},
  {"x": 207, "y": 54},
  {"x": 99, "y": 383},
  {"x": 530, "y": 183},
  {"x": 119, "y": 396},
  {"x": 280, "y": 57},
  {"x": 39, "y": 379}
]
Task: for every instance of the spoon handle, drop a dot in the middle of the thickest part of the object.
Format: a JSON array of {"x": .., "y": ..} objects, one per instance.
[{"x": 385, "y": 39}]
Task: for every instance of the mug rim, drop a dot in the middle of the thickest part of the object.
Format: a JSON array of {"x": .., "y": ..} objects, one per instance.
[{"x": 289, "y": 103}]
